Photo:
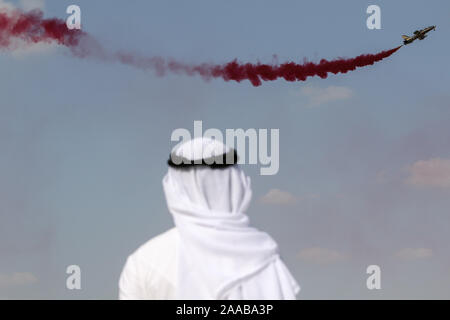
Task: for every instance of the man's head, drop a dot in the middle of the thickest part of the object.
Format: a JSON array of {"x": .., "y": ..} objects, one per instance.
[
  {"x": 202, "y": 152},
  {"x": 207, "y": 176}
]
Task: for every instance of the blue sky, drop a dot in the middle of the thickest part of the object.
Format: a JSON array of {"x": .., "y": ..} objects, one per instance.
[{"x": 364, "y": 177}]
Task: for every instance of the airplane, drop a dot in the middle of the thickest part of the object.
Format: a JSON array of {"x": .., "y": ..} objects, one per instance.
[{"x": 418, "y": 34}]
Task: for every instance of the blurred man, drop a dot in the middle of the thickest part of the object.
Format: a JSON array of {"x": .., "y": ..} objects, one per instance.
[{"x": 212, "y": 252}]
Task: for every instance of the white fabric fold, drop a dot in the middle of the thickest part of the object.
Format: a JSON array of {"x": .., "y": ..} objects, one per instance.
[{"x": 220, "y": 255}]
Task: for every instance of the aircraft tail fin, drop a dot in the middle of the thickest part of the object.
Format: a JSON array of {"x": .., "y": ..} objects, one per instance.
[{"x": 405, "y": 37}]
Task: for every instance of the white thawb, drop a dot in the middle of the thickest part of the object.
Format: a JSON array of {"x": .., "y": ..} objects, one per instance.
[{"x": 213, "y": 252}]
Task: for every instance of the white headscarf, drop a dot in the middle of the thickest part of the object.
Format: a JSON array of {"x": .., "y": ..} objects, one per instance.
[{"x": 219, "y": 251}]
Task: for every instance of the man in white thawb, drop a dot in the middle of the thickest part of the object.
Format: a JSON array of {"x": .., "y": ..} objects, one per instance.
[{"x": 212, "y": 252}]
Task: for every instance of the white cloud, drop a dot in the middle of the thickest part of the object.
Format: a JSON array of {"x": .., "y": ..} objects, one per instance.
[
  {"x": 414, "y": 253},
  {"x": 22, "y": 50},
  {"x": 430, "y": 173},
  {"x": 280, "y": 197},
  {"x": 19, "y": 49},
  {"x": 320, "y": 255},
  {"x": 6, "y": 5},
  {"x": 28, "y": 5},
  {"x": 277, "y": 196},
  {"x": 317, "y": 96},
  {"x": 17, "y": 279}
]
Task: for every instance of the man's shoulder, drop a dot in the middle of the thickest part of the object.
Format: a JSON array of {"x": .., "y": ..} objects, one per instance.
[
  {"x": 158, "y": 247},
  {"x": 150, "y": 271}
]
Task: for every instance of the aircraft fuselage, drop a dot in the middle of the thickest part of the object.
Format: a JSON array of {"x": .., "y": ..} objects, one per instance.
[{"x": 418, "y": 34}]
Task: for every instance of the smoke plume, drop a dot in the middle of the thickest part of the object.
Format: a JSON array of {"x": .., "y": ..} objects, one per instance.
[{"x": 31, "y": 27}]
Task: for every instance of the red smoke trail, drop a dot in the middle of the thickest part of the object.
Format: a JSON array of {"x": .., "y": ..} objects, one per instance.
[
  {"x": 32, "y": 28},
  {"x": 291, "y": 71}
]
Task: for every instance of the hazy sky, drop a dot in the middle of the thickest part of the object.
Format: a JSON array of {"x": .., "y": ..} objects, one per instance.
[{"x": 364, "y": 157}]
